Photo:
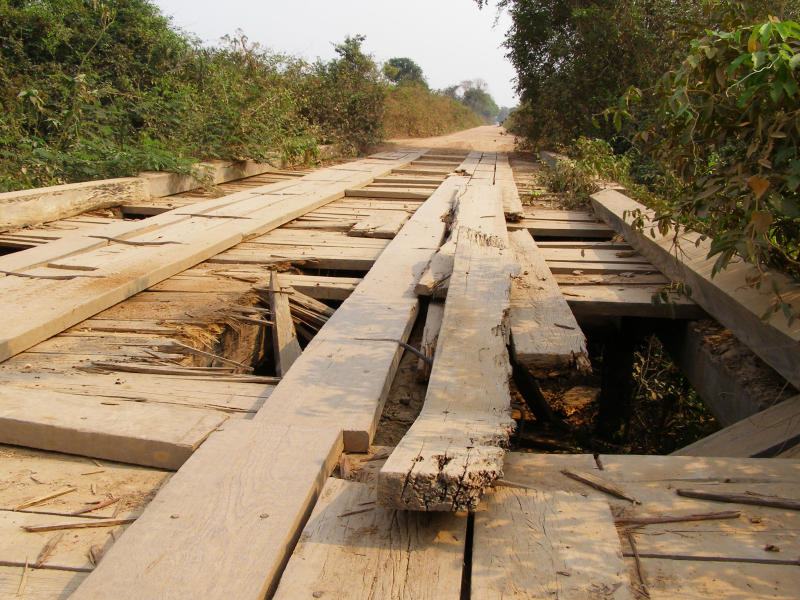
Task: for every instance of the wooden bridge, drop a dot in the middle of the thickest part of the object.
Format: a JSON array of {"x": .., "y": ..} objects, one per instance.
[{"x": 201, "y": 393}]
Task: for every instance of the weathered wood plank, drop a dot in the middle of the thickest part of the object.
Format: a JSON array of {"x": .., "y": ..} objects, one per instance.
[
  {"x": 344, "y": 374},
  {"x": 767, "y": 433},
  {"x": 225, "y": 524},
  {"x": 145, "y": 434},
  {"x": 430, "y": 336},
  {"x": 61, "y": 304},
  {"x": 452, "y": 451},
  {"x": 394, "y": 554},
  {"x": 284, "y": 339},
  {"x": 387, "y": 193},
  {"x": 562, "y": 229},
  {"x": 727, "y": 296},
  {"x": 538, "y": 545},
  {"x": 545, "y": 337},
  {"x": 384, "y": 225},
  {"x": 29, "y": 207},
  {"x": 504, "y": 178},
  {"x": 629, "y": 301},
  {"x": 40, "y": 584}
]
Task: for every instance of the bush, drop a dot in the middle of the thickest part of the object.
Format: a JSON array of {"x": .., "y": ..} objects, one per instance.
[{"x": 413, "y": 110}]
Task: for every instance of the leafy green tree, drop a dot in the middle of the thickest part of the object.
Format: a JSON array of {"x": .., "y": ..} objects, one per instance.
[{"x": 404, "y": 71}]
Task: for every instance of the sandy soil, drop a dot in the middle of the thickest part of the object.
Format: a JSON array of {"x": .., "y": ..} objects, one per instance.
[{"x": 489, "y": 138}]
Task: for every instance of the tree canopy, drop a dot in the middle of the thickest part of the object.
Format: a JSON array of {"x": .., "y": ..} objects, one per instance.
[{"x": 404, "y": 71}]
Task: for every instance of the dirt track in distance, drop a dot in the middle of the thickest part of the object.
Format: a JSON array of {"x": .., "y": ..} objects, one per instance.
[{"x": 488, "y": 138}]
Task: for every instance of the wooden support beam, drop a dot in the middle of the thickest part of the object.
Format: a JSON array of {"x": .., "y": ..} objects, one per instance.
[
  {"x": 29, "y": 207},
  {"x": 453, "y": 450},
  {"x": 764, "y": 434},
  {"x": 563, "y": 229},
  {"x": 284, "y": 339},
  {"x": 399, "y": 554},
  {"x": 430, "y": 336},
  {"x": 629, "y": 301},
  {"x": 225, "y": 525},
  {"x": 387, "y": 193},
  {"x": 344, "y": 374},
  {"x": 730, "y": 379},
  {"x": 35, "y": 309},
  {"x": 727, "y": 296},
  {"x": 545, "y": 337}
]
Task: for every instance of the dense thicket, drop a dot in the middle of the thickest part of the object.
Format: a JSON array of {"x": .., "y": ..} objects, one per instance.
[
  {"x": 102, "y": 88},
  {"x": 701, "y": 97}
]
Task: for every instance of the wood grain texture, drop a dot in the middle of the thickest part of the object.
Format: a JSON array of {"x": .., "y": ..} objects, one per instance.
[
  {"x": 384, "y": 225},
  {"x": 344, "y": 374},
  {"x": 284, "y": 338},
  {"x": 145, "y": 434},
  {"x": 538, "y": 545},
  {"x": 41, "y": 584},
  {"x": 121, "y": 271},
  {"x": 226, "y": 523},
  {"x": 375, "y": 553},
  {"x": 629, "y": 301},
  {"x": 726, "y": 296},
  {"x": 453, "y": 450},
  {"x": 545, "y": 337},
  {"x": 766, "y": 433}
]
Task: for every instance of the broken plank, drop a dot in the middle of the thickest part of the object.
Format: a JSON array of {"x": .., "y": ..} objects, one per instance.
[
  {"x": 399, "y": 554},
  {"x": 344, "y": 374},
  {"x": 532, "y": 544},
  {"x": 545, "y": 337},
  {"x": 322, "y": 287},
  {"x": 727, "y": 296},
  {"x": 58, "y": 305},
  {"x": 144, "y": 434},
  {"x": 384, "y": 225},
  {"x": 453, "y": 451},
  {"x": 763, "y": 434},
  {"x": 430, "y": 335},
  {"x": 246, "y": 492},
  {"x": 284, "y": 339}
]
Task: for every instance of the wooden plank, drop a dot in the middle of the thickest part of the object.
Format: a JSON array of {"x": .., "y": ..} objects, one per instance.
[
  {"x": 538, "y": 213},
  {"x": 225, "y": 524},
  {"x": 545, "y": 337},
  {"x": 563, "y": 229},
  {"x": 451, "y": 453},
  {"x": 720, "y": 556},
  {"x": 61, "y": 304},
  {"x": 387, "y": 193},
  {"x": 629, "y": 301},
  {"x": 284, "y": 339},
  {"x": 504, "y": 178},
  {"x": 40, "y": 584},
  {"x": 29, "y": 207},
  {"x": 218, "y": 171},
  {"x": 395, "y": 554},
  {"x": 384, "y": 225},
  {"x": 320, "y": 287},
  {"x": 766, "y": 433},
  {"x": 592, "y": 255},
  {"x": 727, "y": 296},
  {"x": 601, "y": 268},
  {"x": 318, "y": 257},
  {"x": 145, "y": 434},
  {"x": 430, "y": 336},
  {"x": 344, "y": 374},
  {"x": 532, "y": 544}
]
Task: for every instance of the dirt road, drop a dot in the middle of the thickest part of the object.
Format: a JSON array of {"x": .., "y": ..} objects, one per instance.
[{"x": 489, "y": 138}]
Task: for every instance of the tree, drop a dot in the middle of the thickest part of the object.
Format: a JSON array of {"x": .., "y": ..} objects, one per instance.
[
  {"x": 475, "y": 97},
  {"x": 404, "y": 71}
]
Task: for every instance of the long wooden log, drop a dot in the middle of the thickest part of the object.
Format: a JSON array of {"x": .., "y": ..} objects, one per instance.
[{"x": 454, "y": 449}]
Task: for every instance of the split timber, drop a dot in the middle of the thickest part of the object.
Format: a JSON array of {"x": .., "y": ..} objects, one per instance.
[{"x": 165, "y": 379}]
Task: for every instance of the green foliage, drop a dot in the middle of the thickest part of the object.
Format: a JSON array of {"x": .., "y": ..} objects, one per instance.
[
  {"x": 472, "y": 94},
  {"x": 728, "y": 126},
  {"x": 404, "y": 71},
  {"x": 667, "y": 413},
  {"x": 574, "y": 58},
  {"x": 412, "y": 110},
  {"x": 346, "y": 97}
]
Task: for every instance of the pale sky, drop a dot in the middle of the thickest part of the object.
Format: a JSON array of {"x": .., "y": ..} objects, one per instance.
[{"x": 450, "y": 39}]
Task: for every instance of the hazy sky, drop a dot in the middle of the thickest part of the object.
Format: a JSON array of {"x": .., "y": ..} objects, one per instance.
[{"x": 450, "y": 39}]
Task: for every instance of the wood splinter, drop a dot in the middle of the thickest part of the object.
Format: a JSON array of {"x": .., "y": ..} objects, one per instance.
[{"x": 599, "y": 484}]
